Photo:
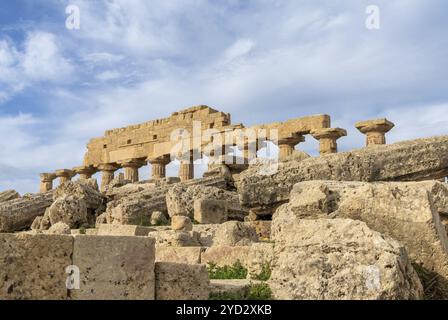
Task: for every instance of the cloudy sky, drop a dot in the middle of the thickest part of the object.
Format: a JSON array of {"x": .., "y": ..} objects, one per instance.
[{"x": 260, "y": 60}]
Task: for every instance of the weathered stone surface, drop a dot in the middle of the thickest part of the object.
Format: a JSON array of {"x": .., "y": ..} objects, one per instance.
[
  {"x": 210, "y": 211},
  {"x": 429, "y": 160},
  {"x": 8, "y": 195},
  {"x": 190, "y": 255},
  {"x": 122, "y": 230},
  {"x": 114, "y": 267},
  {"x": 206, "y": 233},
  {"x": 86, "y": 190},
  {"x": 180, "y": 200},
  {"x": 174, "y": 238},
  {"x": 69, "y": 210},
  {"x": 20, "y": 213},
  {"x": 181, "y": 223},
  {"x": 33, "y": 266},
  {"x": 177, "y": 281},
  {"x": 340, "y": 259},
  {"x": 235, "y": 233},
  {"x": 406, "y": 211},
  {"x": 59, "y": 228},
  {"x": 231, "y": 286},
  {"x": 262, "y": 228},
  {"x": 158, "y": 219},
  {"x": 254, "y": 257}
]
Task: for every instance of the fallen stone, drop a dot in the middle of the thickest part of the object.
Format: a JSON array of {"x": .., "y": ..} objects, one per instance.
[
  {"x": 190, "y": 255},
  {"x": 158, "y": 219},
  {"x": 172, "y": 238},
  {"x": 421, "y": 159},
  {"x": 208, "y": 211},
  {"x": 206, "y": 233},
  {"x": 340, "y": 259},
  {"x": 70, "y": 210},
  {"x": 59, "y": 228},
  {"x": 181, "y": 223},
  {"x": 8, "y": 195},
  {"x": 122, "y": 230},
  {"x": 235, "y": 233},
  {"x": 195, "y": 284},
  {"x": 114, "y": 268}
]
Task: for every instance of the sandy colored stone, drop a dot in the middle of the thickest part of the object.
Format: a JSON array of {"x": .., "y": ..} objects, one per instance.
[
  {"x": 206, "y": 233},
  {"x": 174, "y": 238},
  {"x": 210, "y": 211},
  {"x": 69, "y": 210},
  {"x": 59, "y": 228},
  {"x": 114, "y": 267},
  {"x": 420, "y": 159},
  {"x": 122, "y": 230},
  {"x": 341, "y": 259},
  {"x": 235, "y": 233},
  {"x": 178, "y": 281},
  {"x": 190, "y": 255},
  {"x": 181, "y": 223},
  {"x": 33, "y": 266},
  {"x": 8, "y": 195},
  {"x": 158, "y": 219}
]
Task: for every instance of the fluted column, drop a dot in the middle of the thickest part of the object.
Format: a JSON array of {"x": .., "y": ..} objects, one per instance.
[
  {"x": 107, "y": 174},
  {"x": 286, "y": 146},
  {"x": 186, "y": 169},
  {"x": 131, "y": 169},
  {"x": 375, "y": 130},
  {"x": 158, "y": 167},
  {"x": 46, "y": 182},
  {"x": 327, "y": 138},
  {"x": 64, "y": 175},
  {"x": 85, "y": 172}
]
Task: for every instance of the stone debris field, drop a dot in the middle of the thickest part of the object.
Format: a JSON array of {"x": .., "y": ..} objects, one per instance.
[{"x": 369, "y": 223}]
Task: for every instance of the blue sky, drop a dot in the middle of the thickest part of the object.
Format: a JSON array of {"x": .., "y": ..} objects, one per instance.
[{"x": 262, "y": 61}]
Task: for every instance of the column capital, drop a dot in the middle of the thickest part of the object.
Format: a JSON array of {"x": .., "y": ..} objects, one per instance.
[
  {"x": 108, "y": 167},
  {"x": 47, "y": 177},
  {"x": 165, "y": 159},
  {"x": 376, "y": 125},
  {"x": 291, "y": 140},
  {"x": 66, "y": 173},
  {"x": 132, "y": 163},
  {"x": 328, "y": 133},
  {"x": 85, "y": 170}
]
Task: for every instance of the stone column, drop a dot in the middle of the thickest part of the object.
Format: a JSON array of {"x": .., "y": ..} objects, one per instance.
[
  {"x": 64, "y": 175},
  {"x": 107, "y": 174},
  {"x": 375, "y": 130},
  {"x": 327, "y": 139},
  {"x": 158, "y": 167},
  {"x": 131, "y": 169},
  {"x": 46, "y": 182},
  {"x": 84, "y": 172},
  {"x": 286, "y": 146},
  {"x": 186, "y": 169}
]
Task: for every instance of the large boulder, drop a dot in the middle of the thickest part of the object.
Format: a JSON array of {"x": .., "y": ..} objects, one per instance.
[
  {"x": 406, "y": 211},
  {"x": 69, "y": 210},
  {"x": 181, "y": 223},
  {"x": 421, "y": 159},
  {"x": 340, "y": 259},
  {"x": 59, "y": 228},
  {"x": 235, "y": 233},
  {"x": 8, "y": 195}
]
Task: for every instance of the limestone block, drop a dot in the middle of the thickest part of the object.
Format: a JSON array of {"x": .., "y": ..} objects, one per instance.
[
  {"x": 206, "y": 233},
  {"x": 190, "y": 255},
  {"x": 262, "y": 228},
  {"x": 114, "y": 267},
  {"x": 181, "y": 223},
  {"x": 33, "y": 266},
  {"x": 8, "y": 195},
  {"x": 235, "y": 233},
  {"x": 59, "y": 228},
  {"x": 340, "y": 259},
  {"x": 253, "y": 257},
  {"x": 69, "y": 210},
  {"x": 177, "y": 281},
  {"x": 158, "y": 219},
  {"x": 122, "y": 230},
  {"x": 19, "y": 214},
  {"x": 420, "y": 159},
  {"x": 210, "y": 211},
  {"x": 172, "y": 238},
  {"x": 86, "y": 190}
]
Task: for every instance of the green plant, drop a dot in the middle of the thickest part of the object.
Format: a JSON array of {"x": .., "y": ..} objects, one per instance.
[
  {"x": 253, "y": 291},
  {"x": 235, "y": 271},
  {"x": 82, "y": 230},
  {"x": 264, "y": 274}
]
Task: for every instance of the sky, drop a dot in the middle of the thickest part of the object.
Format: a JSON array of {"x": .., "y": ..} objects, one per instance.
[{"x": 261, "y": 60}]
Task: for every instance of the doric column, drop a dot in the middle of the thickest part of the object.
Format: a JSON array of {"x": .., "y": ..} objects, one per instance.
[
  {"x": 64, "y": 175},
  {"x": 286, "y": 146},
  {"x": 327, "y": 139},
  {"x": 186, "y": 169},
  {"x": 131, "y": 169},
  {"x": 46, "y": 182},
  {"x": 375, "y": 130},
  {"x": 85, "y": 172},
  {"x": 107, "y": 174},
  {"x": 158, "y": 167}
]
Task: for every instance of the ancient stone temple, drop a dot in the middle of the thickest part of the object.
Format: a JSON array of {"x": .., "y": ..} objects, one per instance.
[{"x": 199, "y": 131}]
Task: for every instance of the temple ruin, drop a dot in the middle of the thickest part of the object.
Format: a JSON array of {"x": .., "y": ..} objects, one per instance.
[{"x": 151, "y": 143}]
